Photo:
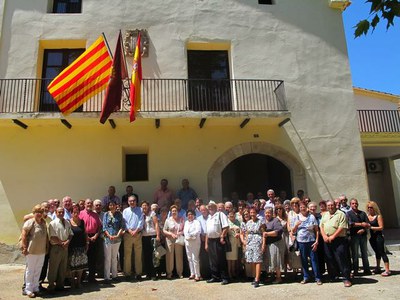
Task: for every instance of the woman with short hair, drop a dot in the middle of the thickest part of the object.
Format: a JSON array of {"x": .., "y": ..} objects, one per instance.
[
  {"x": 233, "y": 234},
  {"x": 294, "y": 254},
  {"x": 173, "y": 231},
  {"x": 113, "y": 228},
  {"x": 377, "y": 240},
  {"x": 274, "y": 245},
  {"x": 248, "y": 270},
  {"x": 280, "y": 214},
  {"x": 307, "y": 236},
  {"x": 254, "y": 245},
  {"x": 77, "y": 257},
  {"x": 192, "y": 231},
  {"x": 239, "y": 213},
  {"x": 34, "y": 240},
  {"x": 150, "y": 232},
  {"x": 312, "y": 208}
]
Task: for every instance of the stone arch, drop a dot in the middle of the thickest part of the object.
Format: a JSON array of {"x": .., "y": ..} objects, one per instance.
[{"x": 297, "y": 173}]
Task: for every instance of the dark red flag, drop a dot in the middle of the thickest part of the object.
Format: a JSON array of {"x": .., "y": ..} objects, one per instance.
[{"x": 112, "y": 99}]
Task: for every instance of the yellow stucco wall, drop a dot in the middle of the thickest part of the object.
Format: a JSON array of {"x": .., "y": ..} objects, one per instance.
[{"x": 47, "y": 160}]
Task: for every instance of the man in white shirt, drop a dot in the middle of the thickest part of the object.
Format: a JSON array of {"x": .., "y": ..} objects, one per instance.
[
  {"x": 217, "y": 229},
  {"x": 60, "y": 233},
  {"x": 271, "y": 199},
  {"x": 204, "y": 261}
]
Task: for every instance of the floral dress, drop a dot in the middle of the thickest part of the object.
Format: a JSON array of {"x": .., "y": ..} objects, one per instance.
[
  {"x": 77, "y": 256},
  {"x": 254, "y": 252}
]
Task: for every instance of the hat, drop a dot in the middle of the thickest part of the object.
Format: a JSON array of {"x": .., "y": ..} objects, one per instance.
[{"x": 211, "y": 202}]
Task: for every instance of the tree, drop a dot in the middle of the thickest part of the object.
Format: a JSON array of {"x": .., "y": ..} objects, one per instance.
[{"x": 380, "y": 10}]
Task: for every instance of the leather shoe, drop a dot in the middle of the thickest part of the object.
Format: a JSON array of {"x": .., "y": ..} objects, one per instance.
[
  {"x": 212, "y": 280},
  {"x": 224, "y": 281}
]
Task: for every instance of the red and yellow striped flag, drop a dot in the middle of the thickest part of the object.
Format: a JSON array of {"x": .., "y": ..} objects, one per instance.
[
  {"x": 84, "y": 78},
  {"x": 135, "y": 88}
]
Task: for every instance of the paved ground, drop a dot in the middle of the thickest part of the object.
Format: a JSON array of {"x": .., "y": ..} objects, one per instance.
[{"x": 370, "y": 287}]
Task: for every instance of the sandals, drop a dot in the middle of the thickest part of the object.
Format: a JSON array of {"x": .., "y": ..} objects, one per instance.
[
  {"x": 347, "y": 283},
  {"x": 304, "y": 281},
  {"x": 386, "y": 273}
]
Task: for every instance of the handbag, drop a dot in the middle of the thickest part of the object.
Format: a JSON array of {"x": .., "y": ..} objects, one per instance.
[
  {"x": 160, "y": 251},
  {"x": 294, "y": 247},
  {"x": 180, "y": 240},
  {"x": 19, "y": 245},
  {"x": 227, "y": 245}
]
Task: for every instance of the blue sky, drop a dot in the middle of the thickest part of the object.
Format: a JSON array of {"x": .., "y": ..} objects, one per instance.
[{"x": 374, "y": 58}]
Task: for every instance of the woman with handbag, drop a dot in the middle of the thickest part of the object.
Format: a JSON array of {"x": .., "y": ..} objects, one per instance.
[
  {"x": 34, "y": 240},
  {"x": 192, "y": 231},
  {"x": 150, "y": 232},
  {"x": 233, "y": 234},
  {"x": 293, "y": 255},
  {"x": 175, "y": 240}
]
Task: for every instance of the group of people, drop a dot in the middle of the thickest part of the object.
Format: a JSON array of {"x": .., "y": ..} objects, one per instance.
[{"x": 177, "y": 235}]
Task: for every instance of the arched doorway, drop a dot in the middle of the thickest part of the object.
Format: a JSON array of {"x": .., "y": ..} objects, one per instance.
[
  {"x": 254, "y": 173},
  {"x": 297, "y": 174}
]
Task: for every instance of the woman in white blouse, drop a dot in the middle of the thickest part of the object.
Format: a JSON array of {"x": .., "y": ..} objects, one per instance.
[
  {"x": 150, "y": 232},
  {"x": 173, "y": 231},
  {"x": 192, "y": 230}
]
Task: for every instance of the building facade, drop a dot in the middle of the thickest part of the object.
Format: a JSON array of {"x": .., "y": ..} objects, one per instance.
[{"x": 237, "y": 96}]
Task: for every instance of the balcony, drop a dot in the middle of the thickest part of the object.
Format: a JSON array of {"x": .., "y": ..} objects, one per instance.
[
  {"x": 30, "y": 96},
  {"x": 379, "y": 121}
]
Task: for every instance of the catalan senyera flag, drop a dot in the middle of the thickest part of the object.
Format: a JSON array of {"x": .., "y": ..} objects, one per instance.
[
  {"x": 112, "y": 99},
  {"x": 135, "y": 86},
  {"x": 84, "y": 78}
]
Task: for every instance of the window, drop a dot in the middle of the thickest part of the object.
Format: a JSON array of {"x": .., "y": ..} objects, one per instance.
[
  {"x": 136, "y": 167},
  {"x": 67, "y": 6},
  {"x": 268, "y": 2},
  {"x": 209, "y": 80},
  {"x": 54, "y": 61}
]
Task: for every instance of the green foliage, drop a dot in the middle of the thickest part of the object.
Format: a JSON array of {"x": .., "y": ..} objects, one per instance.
[{"x": 380, "y": 10}]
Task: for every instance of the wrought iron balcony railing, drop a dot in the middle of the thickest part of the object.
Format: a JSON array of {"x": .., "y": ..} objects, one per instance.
[
  {"x": 158, "y": 95},
  {"x": 379, "y": 120}
]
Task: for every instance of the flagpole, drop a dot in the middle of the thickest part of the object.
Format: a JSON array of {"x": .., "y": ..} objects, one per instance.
[
  {"x": 108, "y": 46},
  {"x": 127, "y": 94},
  {"x": 123, "y": 51}
]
